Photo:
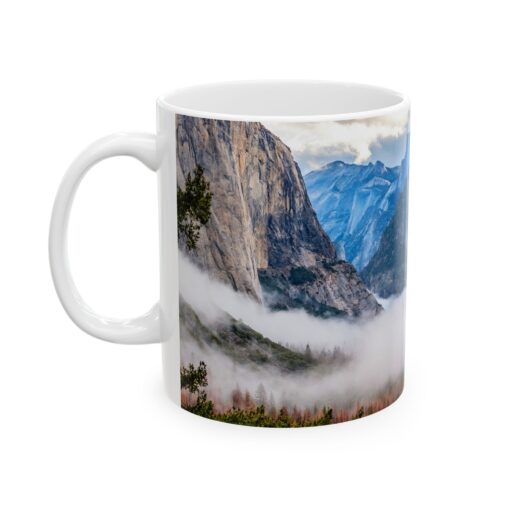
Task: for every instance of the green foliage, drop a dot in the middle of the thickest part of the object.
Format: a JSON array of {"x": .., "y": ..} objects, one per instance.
[
  {"x": 269, "y": 283},
  {"x": 258, "y": 417},
  {"x": 326, "y": 418},
  {"x": 300, "y": 275},
  {"x": 203, "y": 406},
  {"x": 192, "y": 378},
  {"x": 193, "y": 207}
]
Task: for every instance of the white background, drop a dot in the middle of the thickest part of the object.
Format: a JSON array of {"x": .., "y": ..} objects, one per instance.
[{"x": 86, "y": 424}]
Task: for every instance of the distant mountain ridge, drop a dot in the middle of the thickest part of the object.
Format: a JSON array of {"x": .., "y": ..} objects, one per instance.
[{"x": 355, "y": 204}]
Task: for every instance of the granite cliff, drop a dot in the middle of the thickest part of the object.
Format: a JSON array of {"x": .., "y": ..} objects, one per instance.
[{"x": 262, "y": 227}]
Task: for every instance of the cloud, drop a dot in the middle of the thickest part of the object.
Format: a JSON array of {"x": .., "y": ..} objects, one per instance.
[
  {"x": 358, "y": 141},
  {"x": 376, "y": 347}
]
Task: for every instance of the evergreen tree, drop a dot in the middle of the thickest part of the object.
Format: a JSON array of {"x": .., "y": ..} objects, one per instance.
[
  {"x": 194, "y": 379},
  {"x": 261, "y": 395},
  {"x": 193, "y": 207},
  {"x": 308, "y": 353}
]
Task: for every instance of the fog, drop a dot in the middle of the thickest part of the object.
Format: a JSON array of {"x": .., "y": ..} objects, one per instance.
[{"x": 375, "y": 347}]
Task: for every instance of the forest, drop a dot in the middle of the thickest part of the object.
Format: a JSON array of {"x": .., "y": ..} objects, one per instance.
[{"x": 260, "y": 410}]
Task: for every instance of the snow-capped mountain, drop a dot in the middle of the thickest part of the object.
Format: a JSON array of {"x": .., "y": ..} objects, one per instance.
[{"x": 355, "y": 203}]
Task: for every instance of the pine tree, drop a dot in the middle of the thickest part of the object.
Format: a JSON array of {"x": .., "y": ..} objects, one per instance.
[
  {"x": 194, "y": 379},
  {"x": 261, "y": 395},
  {"x": 193, "y": 207},
  {"x": 308, "y": 353}
]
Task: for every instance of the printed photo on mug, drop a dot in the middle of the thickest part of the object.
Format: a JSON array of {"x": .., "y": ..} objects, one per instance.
[{"x": 292, "y": 266}]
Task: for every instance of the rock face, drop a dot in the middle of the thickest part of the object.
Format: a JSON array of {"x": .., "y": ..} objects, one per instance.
[
  {"x": 386, "y": 272},
  {"x": 327, "y": 289},
  {"x": 261, "y": 218}
]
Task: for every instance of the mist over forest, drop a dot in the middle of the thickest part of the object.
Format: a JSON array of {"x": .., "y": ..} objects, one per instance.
[{"x": 373, "y": 349}]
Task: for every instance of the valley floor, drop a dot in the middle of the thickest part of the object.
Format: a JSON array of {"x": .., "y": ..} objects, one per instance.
[{"x": 245, "y": 409}]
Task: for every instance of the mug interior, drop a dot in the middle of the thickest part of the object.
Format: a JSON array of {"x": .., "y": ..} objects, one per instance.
[{"x": 283, "y": 99}]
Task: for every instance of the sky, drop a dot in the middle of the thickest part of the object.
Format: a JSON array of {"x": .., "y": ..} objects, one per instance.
[{"x": 314, "y": 144}]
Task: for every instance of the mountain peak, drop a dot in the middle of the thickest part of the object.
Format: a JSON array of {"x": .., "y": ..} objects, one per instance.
[
  {"x": 333, "y": 165},
  {"x": 379, "y": 166}
]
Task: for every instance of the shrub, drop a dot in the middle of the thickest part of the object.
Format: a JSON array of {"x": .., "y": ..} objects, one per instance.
[{"x": 300, "y": 275}]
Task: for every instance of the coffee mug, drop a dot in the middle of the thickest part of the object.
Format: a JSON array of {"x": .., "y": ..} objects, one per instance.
[{"x": 283, "y": 221}]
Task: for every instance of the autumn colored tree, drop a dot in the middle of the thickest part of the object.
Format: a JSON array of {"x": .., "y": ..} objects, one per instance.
[
  {"x": 272, "y": 405},
  {"x": 248, "y": 401},
  {"x": 296, "y": 415},
  {"x": 237, "y": 398}
]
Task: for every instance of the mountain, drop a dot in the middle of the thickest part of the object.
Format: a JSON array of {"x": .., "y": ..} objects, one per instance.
[
  {"x": 385, "y": 274},
  {"x": 355, "y": 203},
  {"x": 261, "y": 216}
]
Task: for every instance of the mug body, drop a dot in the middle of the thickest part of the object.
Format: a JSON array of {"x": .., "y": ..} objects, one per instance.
[{"x": 283, "y": 211}]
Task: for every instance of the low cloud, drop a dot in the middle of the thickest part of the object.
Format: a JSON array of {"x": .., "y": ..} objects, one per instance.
[
  {"x": 358, "y": 141},
  {"x": 375, "y": 347}
]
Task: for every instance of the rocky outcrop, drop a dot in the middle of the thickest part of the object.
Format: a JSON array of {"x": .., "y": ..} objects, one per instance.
[
  {"x": 261, "y": 217},
  {"x": 328, "y": 289}
]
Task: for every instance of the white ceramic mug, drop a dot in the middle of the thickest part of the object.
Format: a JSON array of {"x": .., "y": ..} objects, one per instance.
[{"x": 283, "y": 220}]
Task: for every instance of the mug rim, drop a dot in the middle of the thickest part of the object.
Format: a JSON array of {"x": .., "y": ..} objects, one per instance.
[{"x": 170, "y": 101}]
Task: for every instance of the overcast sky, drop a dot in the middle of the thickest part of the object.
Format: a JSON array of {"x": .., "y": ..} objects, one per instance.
[{"x": 360, "y": 141}]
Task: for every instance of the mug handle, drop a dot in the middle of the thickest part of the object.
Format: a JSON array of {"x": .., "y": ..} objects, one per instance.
[{"x": 140, "y": 330}]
